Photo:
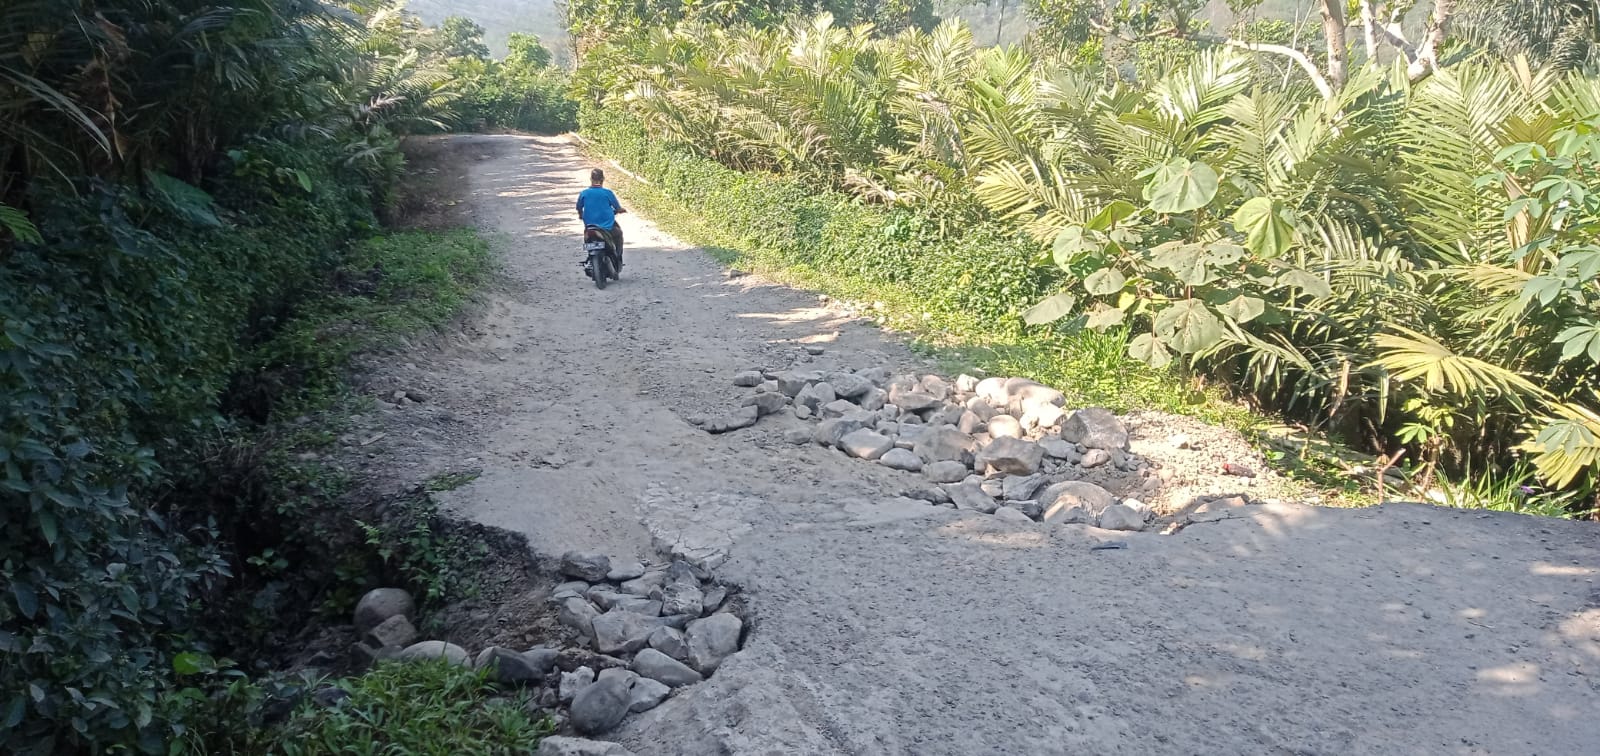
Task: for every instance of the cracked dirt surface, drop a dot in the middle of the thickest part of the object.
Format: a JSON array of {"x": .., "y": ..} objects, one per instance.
[{"x": 894, "y": 628}]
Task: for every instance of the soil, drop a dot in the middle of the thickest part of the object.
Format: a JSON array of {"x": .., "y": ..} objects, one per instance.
[{"x": 883, "y": 627}]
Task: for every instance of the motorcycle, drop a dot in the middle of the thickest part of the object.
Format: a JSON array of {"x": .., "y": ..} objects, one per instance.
[{"x": 601, "y": 261}]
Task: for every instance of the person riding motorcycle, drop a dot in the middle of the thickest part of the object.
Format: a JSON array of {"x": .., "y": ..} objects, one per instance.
[{"x": 598, "y": 207}]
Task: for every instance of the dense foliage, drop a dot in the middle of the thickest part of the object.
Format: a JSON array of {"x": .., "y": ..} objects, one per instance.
[
  {"x": 521, "y": 91},
  {"x": 1407, "y": 262},
  {"x": 175, "y": 176}
]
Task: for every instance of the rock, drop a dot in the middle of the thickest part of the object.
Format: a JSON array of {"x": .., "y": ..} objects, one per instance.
[
  {"x": 802, "y": 412},
  {"x": 1023, "y": 395},
  {"x": 542, "y": 658},
  {"x": 395, "y": 632},
  {"x": 574, "y": 681},
  {"x": 1028, "y": 507},
  {"x": 1056, "y": 448},
  {"x": 909, "y": 435},
  {"x": 949, "y": 414},
  {"x": 945, "y": 471},
  {"x": 1095, "y": 458},
  {"x": 815, "y": 351},
  {"x": 1220, "y": 508},
  {"x": 1004, "y": 426},
  {"x": 661, "y": 667},
  {"x": 578, "y": 614},
  {"x": 901, "y": 459},
  {"x": 603, "y": 597},
  {"x": 361, "y": 656},
  {"x": 873, "y": 400},
  {"x": 982, "y": 409},
  {"x": 669, "y": 641},
  {"x": 711, "y": 640},
  {"x": 639, "y": 605},
  {"x": 1180, "y": 441},
  {"x": 600, "y": 707},
  {"x": 1067, "y": 515},
  {"x": 847, "y": 386},
  {"x": 930, "y": 494},
  {"x": 1013, "y": 515},
  {"x": 435, "y": 649},
  {"x": 748, "y": 379},
  {"x": 992, "y": 391},
  {"x": 838, "y": 408},
  {"x": 797, "y": 436},
  {"x": 966, "y": 384},
  {"x": 769, "y": 387},
  {"x": 878, "y": 375},
  {"x": 944, "y": 443},
  {"x": 791, "y": 382},
  {"x": 969, "y": 495},
  {"x": 330, "y": 697},
  {"x": 767, "y": 404},
  {"x": 642, "y": 585},
  {"x": 815, "y": 395},
  {"x": 647, "y": 694},
  {"x": 915, "y": 401},
  {"x": 1095, "y": 428},
  {"x": 936, "y": 387},
  {"x": 994, "y": 487},
  {"x": 1011, "y": 455},
  {"x": 380, "y": 604},
  {"x": 583, "y": 566},
  {"x": 1074, "y": 493},
  {"x": 865, "y": 444},
  {"x": 714, "y": 596},
  {"x": 681, "y": 597},
  {"x": 743, "y": 417},
  {"x": 1121, "y": 517},
  {"x": 832, "y": 432},
  {"x": 568, "y": 590},
  {"x": 622, "y": 632},
  {"x": 1043, "y": 415},
  {"x": 625, "y": 571},
  {"x": 1019, "y": 487},
  {"x": 556, "y": 745},
  {"x": 508, "y": 667}
]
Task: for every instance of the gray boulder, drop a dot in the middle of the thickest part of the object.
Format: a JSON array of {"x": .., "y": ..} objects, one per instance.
[
  {"x": 542, "y": 658},
  {"x": 743, "y": 417},
  {"x": 585, "y": 566},
  {"x": 791, "y": 382},
  {"x": 1095, "y": 458},
  {"x": 1019, "y": 487},
  {"x": 622, "y": 632},
  {"x": 873, "y": 400},
  {"x": 661, "y": 667},
  {"x": 815, "y": 395},
  {"x": 669, "y": 641},
  {"x": 600, "y": 707},
  {"x": 1012, "y": 515},
  {"x": 435, "y": 649},
  {"x": 936, "y": 387},
  {"x": 865, "y": 444},
  {"x": 748, "y": 379},
  {"x": 647, "y": 694},
  {"x": 946, "y": 471},
  {"x": 1004, "y": 426},
  {"x": 944, "y": 443},
  {"x": 981, "y": 408},
  {"x": 832, "y": 432},
  {"x": 847, "y": 386},
  {"x": 625, "y": 571},
  {"x": 878, "y": 375},
  {"x": 578, "y": 614},
  {"x": 915, "y": 401},
  {"x": 969, "y": 495},
  {"x": 711, "y": 640},
  {"x": 1064, "y": 496},
  {"x": 508, "y": 667},
  {"x": 970, "y": 422},
  {"x": 1122, "y": 517},
  {"x": 1095, "y": 428},
  {"x": 395, "y": 632},
  {"x": 574, "y": 681},
  {"x": 380, "y": 604},
  {"x": 1056, "y": 448},
  {"x": 714, "y": 596},
  {"x": 682, "y": 597},
  {"x": 838, "y": 408},
  {"x": 642, "y": 585},
  {"x": 767, "y": 404},
  {"x": 1011, "y": 455},
  {"x": 901, "y": 459}
]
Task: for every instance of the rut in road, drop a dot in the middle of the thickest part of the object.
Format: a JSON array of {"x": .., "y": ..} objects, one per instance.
[{"x": 881, "y": 629}]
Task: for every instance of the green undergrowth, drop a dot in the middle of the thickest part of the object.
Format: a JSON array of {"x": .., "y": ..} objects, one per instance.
[{"x": 415, "y": 708}]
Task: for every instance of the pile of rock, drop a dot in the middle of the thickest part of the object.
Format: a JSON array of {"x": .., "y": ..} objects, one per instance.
[
  {"x": 655, "y": 630},
  {"x": 999, "y": 446}
]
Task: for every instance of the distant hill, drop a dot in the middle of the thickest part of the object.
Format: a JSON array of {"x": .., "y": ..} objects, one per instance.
[{"x": 500, "y": 18}]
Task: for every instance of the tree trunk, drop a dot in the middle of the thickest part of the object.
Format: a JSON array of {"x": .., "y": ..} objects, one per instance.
[
  {"x": 1333, "y": 28},
  {"x": 1427, "y": 58},
  {"x": 1369, "y": 30}
]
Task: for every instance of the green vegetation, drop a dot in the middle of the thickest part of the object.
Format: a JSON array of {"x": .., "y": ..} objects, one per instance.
[
  {"x": 414, "y": 708},
  {"x": 521, "y": 91},
  {"x": 189, "y": 254},
  {"x": 1400, "y": 257}
]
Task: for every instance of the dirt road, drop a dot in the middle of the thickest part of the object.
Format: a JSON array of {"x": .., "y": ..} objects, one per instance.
[{"x": 881, "y": 629}]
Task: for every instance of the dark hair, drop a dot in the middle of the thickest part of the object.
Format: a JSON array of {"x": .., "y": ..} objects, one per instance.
[{"x": 597, "y": 176}]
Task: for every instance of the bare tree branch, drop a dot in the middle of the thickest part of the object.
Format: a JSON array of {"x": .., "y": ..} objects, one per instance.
[{"x": 1317, "y": 79}]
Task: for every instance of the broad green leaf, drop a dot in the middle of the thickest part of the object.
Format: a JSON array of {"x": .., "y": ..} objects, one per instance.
[
  {"x": 1306, "y": 281},
  {"x": 189, "y": 663},
  {"x": 1105, "y": 282},
  {"x": 1580, "y": 339},
  {"x": 1189, "y": 326},
  {"x": 27, "y": 600},
  {"x": 186, "y": 200},
  {"x": 1105, "y": 317},
  {"x": 1179, "y": 186},
  {"x": 16, "y": 221},
  {"x": 1267, "y": 225},
  {"x": 304, "y": 179},
  {"x": 14, "y": 713},
  {"x": 1187, "y": 261},
  {"x": 1050, "y": 310},
  {"x": 47, "y": 526},
  {"x": 1243, "y": 309},
  {"x": 1584, "y": 261},
  {"x": 1223, "y": 253},
  {"x": 1543, "y": 288},
  {"x": 1111, "y": 215},
  {"x": 1067, "y": 245},
  {"x": 1148, "y": 349}
]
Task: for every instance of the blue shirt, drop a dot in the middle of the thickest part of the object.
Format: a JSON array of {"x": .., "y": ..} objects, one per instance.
[{"x": 598, "y": 206}]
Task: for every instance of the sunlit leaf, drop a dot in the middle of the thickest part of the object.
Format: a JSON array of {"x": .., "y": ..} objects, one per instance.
[
  {"x": 1105, "y": 317},
  {"x": 1148, "y": 349},
  {"x": 1179, "y": 186},
  {"x": 1187, "y": 261},
  {"x": 1104, "y": 282},
  {"x": 1111, "y": 215},
  {"x": 1267, "y": 225},
  {"x": 1243, "y": 308},
  {"x": 1189, "y": 326},
  {"x": 1050, "y": 310}
]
